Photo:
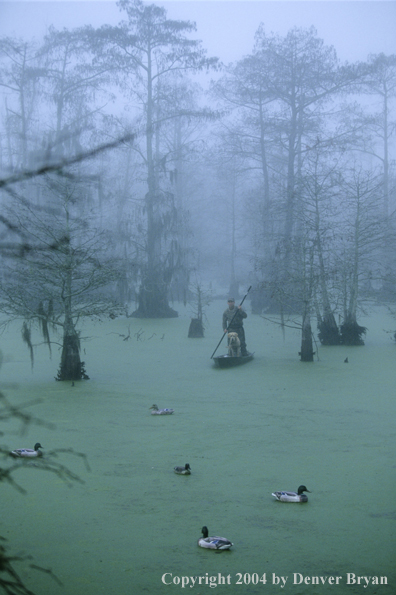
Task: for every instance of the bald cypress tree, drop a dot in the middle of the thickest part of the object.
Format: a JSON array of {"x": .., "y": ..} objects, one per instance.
[
  {"x": 145, "y": 51},
  {"x": 59, "y": 273}
]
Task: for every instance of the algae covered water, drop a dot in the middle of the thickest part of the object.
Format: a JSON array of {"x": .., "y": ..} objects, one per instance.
[{"x": 273, "y": 424}]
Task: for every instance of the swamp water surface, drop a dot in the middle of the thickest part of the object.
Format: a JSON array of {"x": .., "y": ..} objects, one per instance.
[{"x": 272, "y": 424}]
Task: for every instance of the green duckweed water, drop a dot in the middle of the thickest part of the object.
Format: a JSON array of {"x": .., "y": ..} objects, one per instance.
[{"x": 273, "y": 424}]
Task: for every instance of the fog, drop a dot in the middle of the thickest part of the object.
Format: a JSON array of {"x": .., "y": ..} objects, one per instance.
[
  {"x": 193, "y": 168},
  {"x": 227, "y": 28},
  {"x": 216, "y": 227}
]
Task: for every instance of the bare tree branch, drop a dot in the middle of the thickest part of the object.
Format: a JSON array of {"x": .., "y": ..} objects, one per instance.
[{"x": 58, "y": 165}]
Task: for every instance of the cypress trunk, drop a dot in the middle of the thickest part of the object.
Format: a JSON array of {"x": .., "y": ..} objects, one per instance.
[
  {"x": 153, "y": 301},
  {"x": 351, "y": 332},
  {"x": 71, "y": 366},
  {"x": 329, "y": 333},
  {"x": 307, "y": 351},
  {"x": 196, "y": 330},
  {"x": 153, "y": 292}
]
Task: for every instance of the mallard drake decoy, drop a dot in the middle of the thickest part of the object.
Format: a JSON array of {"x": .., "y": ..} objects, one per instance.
[
  {"x": 213, "y": 543},
  {"x": 292, "y": 496},
  {"x": 28, "y": 452},
  {"x": 186, "y": 470},
  {"x": 156, "y": 411}
]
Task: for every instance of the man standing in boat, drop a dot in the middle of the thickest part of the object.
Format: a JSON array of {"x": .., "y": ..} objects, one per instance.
[{"x": 233, "y": 323}]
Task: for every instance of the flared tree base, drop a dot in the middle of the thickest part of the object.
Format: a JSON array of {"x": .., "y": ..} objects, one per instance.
[
  {"x": 306, "y": 354},
  {"x": 154, "y": 313},
  {"x": 80, "y": 374},
  {"x": 329, "y": 333},
  {"x": 196, "y": 330},
  {"x": 71, "y": 367},
  {"x": 352, "y": 333},
  {"x": 153, "y": 303}
]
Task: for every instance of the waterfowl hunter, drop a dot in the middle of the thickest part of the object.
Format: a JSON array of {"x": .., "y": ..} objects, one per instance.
[
  {"x": 213, "y": 543},
  {"x": 28, "y": 452},
  {"x": 156, "y": 411},
  {"x": 292, "y": 496},
  {"x": 186, "y": 470}
]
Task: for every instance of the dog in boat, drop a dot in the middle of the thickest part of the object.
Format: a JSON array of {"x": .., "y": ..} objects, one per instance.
[{"x": 234, "y": 345}]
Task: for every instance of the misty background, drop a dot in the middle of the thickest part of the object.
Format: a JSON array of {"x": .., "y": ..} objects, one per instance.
[
  {"x": 227, "y": 28},
  {"x": 181, "y": 151}
]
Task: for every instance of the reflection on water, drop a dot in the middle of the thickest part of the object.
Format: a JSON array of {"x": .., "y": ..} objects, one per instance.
[{"x": 271, "y": 425}]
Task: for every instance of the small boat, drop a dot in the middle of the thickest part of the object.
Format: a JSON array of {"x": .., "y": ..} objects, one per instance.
[{"x": 229, "y": 361}]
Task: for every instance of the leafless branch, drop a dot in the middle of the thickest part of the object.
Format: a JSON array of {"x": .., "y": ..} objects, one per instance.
[{"x": 59, "y": 165}]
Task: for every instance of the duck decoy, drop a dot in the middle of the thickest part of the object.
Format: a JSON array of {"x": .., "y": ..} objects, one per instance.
[
  {"x": 156, "y": 411},
  {"x": 186, "y": 470},
  {"x": 28, "y": 452},
  {"x": 292, "y": 496},
  {"x": 213, "y": 543}
]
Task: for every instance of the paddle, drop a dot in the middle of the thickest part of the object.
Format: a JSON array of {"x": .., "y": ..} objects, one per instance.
[{"x": 236, "y": 312}]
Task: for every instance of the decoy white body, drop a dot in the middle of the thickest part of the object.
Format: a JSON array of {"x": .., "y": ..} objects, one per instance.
[
  {"x": 28, "y": 452},
  {"x": 156, "y": 411},
  {"x": 292, "y": 496},
  {"x": 213, "y": 543},
  {"x": 186, "y": 470}
]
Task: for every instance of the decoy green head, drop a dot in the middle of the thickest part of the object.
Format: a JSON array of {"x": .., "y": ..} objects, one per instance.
[
  {"x": 37, "y": 446},
  {"x": 302, "y": 489}
]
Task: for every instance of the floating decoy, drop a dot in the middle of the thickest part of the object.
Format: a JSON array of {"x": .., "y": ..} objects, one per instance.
[
  {"x": 186, "y": 470},
  {"x": 156, "y": 411},
  {"x": 292, "y": 496},
  {"x": 346, "y": 360},
  {"x": 213, "y": 543},
  {"x": 28, "y": 452}
]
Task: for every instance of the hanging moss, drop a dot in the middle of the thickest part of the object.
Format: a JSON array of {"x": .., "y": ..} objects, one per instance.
[
  {"x": 43, "y": 321},
  {"x": 27, "y": 338}
]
